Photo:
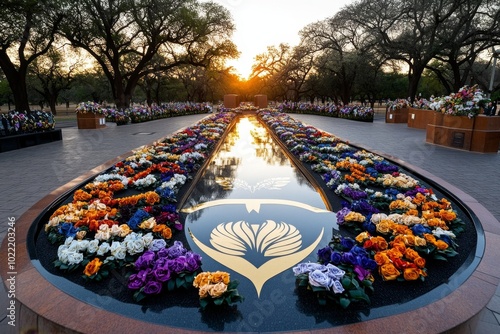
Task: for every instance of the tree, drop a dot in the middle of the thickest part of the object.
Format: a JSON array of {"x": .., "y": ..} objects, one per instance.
[
  {"x": 52, "y": 77},
  {"x": 27, "y": 30},
  {"x": 418, "y": 31},
  {"x": 124, "y": 36}
]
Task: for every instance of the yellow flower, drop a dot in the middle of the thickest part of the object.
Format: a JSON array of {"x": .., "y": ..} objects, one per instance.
[
  {"x": 218, "y": 289},
  {"x": 389, "y": 272},
  {"x": 92, "y": 267}
]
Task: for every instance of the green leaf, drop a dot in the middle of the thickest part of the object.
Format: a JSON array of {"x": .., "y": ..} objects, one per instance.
[
  {"x": 344, "y": 302},
  {"x": 171, "y": 285},
  {"x": 203, "y": 302},
  {"x": 218, "y": 301}
]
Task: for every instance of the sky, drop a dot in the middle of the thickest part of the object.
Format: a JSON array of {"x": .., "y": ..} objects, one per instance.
[{"x": 261, "y": 23}]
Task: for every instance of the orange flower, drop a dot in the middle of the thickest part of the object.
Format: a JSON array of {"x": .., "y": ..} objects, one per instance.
[
  {"x": 220, "y": 276},
  {"x": 411, "y": 274},
  {"x": 92, "y": 267},
  {"x": 420, "y": 262},
  {"x": 380, "y": 242},
  {"x": 152, "y": 197},
  {"x": 441, "y": 245},
  {"x": 81, "y": 195},
  {"x": 167, "y": 233},
  {"x": 447, "y": 215},
  {"x": 389, "y": 272},
  {"x": 411, "y": 254},
  {"x": 381, "y": 258}
]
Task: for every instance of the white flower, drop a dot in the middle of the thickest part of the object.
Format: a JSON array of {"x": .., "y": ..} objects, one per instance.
[
  {"x": 378, "y": 217},
  {"x": 93, "y": 246},
  {"x": 103, "y": 249},
  {"x": 148, "y": 239},
  {"x": 118, "y": 250},
  {"x": 438, "y": 232},
  {"x": 135, "y": 246},
  {"x": 74, "y": 258},
  {"x": 146, "y": 181},
  {"x": 62, "y": 253},
  {"x": 103, "y": 233}
]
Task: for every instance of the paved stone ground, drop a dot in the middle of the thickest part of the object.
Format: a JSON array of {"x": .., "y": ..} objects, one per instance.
[{"x": 27, "y": 175}]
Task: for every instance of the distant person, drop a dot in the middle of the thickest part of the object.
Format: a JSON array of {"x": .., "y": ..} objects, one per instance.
[
  {"x": 494, "y": 109},
  {"x": 488, "y": 110}
]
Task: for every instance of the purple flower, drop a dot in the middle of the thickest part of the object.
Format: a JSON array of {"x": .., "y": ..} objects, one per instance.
[
  {"x": 152, "y": 288},
  {"x": 336, "y": 258},
  {"x": 135, "y": 282},
  {"x": 324, "y": 254},
  {"x": 178, "y": 265},
  {"x": 361, "y": 272},
  {"x": 347, "y": 243},
  {"x": 145, "y": 274},
  {"x": 176, "y": 250},
  {"x": 341, "y": 215},
  {"x": 157, "y": 244},
  {"x": 162, "y": 274},
  {"x": 349, "y": 258},
  {"x": 146, "y": 260},
  {"x": 193, "y": 261}
]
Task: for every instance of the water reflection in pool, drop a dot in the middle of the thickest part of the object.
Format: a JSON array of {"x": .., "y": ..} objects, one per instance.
[{"x": 254, "y": 214}]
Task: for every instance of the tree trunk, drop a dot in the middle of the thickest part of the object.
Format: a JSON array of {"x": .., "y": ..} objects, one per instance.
[
  {"x": 17, "y": 82},
  {"x": 414, "y": 78}
]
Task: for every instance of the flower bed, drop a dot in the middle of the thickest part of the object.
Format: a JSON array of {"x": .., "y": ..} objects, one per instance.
[
  {"x": 397, "y": 236},
  {"x": 385, "y": 215},
  {"x": 125, "y": 221},
  {"x": 16, "y": 123},
  {"x": 356, "y": 113},
  {"x": 139, "y": 114}
]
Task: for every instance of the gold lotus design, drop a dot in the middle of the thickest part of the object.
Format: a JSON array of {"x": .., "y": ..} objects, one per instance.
[
  {"x": 257, "y": 251},
  {"x": 275, "y": 183},
  {"x": 269, "y": 239}
]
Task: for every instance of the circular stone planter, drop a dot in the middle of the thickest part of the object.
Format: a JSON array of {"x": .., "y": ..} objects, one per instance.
[{"x": 44, "y": 307}]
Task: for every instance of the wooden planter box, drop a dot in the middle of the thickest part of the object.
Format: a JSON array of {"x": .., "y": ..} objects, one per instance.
[
  {"x": 486, "y": 134},
  {"x": 90, "y": 121},
  {"x": 396, "y": 115},
  {"x": 419, "y": 118},
  {"x": 479, "y": 134}
]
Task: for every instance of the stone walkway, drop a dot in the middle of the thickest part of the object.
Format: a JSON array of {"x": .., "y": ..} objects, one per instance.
[{"x": 31, "y": 173}]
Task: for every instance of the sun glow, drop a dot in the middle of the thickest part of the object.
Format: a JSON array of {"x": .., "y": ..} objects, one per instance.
[{"x": 263, "y": 23}]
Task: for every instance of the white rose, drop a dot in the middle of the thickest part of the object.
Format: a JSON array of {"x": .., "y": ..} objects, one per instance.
[
  {"x": 118, "y": 250},
  {"x": 103, "y": 249},
  {"x": 74, "y": 258},
  {"x": 135, "y": 246},
  {"x": 148, "y": 239},
  {"x": 62, "y": 253},
  {"x": 103, "y": 233},
  {"x": 93, "y": 246}
]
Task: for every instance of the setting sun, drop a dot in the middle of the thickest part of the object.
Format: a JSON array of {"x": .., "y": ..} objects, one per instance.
[{"x": 261, "y": 23}]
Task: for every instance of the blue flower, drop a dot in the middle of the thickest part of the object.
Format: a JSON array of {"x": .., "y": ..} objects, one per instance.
[
  {"x": 138, "y": 217},
  {"x": 68, "y": 230}
]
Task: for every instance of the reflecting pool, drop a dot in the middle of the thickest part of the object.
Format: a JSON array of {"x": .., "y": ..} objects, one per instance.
[{"x": 254, "y": 214}]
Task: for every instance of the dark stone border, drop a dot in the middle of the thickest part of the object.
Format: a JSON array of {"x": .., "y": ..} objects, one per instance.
[{"x": 14, "y": 142}]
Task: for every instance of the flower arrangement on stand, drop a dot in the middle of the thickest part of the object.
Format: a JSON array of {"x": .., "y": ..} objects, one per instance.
[
  {"x": 216, "y": 288},
  {"x": 468, "y": 101}
]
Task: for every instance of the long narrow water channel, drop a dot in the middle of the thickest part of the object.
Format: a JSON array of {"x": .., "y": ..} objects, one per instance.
[{"x": 255, "y": 215}]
